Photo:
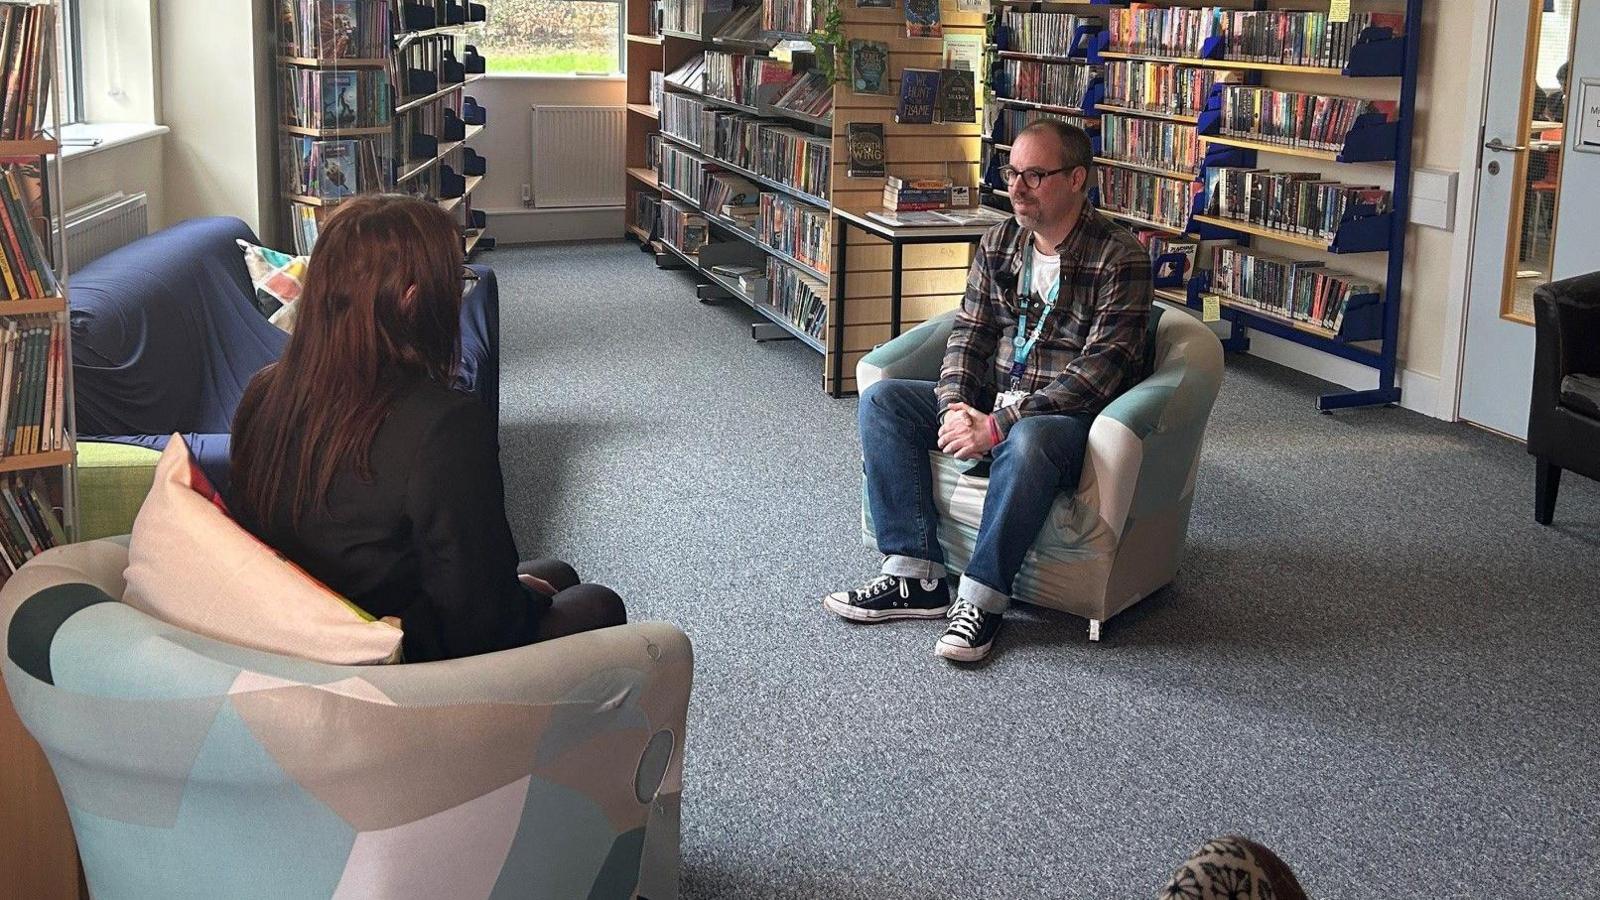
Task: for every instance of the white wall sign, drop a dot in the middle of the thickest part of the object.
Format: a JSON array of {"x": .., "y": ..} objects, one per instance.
[{"x": 1586, "y": 137}]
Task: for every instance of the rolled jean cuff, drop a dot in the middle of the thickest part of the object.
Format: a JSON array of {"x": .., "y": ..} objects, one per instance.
[
  {"x": 982, "y": 596},
  {"x": 911, "y": 567}
]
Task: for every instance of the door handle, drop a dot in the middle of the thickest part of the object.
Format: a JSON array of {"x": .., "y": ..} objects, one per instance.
[{"x": 1500, "y": 146}]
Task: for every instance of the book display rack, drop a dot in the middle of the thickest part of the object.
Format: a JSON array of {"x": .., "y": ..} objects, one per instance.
[
  {"x": 372, "y": 97},
  {"x": 739, "y": 161},
  {"x": 38, "y": 432},
  {"x": 1221, "y": 127}
]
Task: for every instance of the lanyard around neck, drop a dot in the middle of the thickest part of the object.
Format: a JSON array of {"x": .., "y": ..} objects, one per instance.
[{"x": 1024, "y": 347}]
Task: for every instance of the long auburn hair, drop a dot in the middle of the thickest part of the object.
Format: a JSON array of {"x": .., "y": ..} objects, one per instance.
[{"x": 381, "y": 304}]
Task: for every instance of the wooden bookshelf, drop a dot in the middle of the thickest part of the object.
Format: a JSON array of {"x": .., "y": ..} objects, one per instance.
[
  {"x": 1223, "y": 64},
  {"x": 1288, "y": 237},
  {"x": 859, "y": 304},
  {"x": 388, "y": 143},
  {"x": 1147, "y": 113},
  {"x": 38, "y": 855},
  {"x": 1269, "y": 147},
  {"x": 1152, "y": 170}
]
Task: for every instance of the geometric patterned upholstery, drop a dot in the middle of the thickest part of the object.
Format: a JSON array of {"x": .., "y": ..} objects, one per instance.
[
  {"x": 194, "y": 768},
  {"x": 1120, "y": 536}
]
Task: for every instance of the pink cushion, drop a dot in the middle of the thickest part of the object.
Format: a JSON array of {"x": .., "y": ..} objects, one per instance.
[{"x": 191, "y": 565}]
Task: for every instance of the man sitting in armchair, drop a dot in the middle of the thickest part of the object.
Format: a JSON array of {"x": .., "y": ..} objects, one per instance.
[{"x": 1051, "y": 330}]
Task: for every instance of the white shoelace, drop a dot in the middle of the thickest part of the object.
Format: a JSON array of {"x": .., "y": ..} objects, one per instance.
[
  {"x": 881, "y": 585},
  {"x": 965, "y": 620}
]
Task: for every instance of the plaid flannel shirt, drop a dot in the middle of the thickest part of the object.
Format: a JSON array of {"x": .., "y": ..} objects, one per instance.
[{"x": 1092, "y": 346}]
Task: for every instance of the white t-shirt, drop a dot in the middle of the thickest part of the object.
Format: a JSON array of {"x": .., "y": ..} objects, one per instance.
[{"x": 1046, "y": 272}]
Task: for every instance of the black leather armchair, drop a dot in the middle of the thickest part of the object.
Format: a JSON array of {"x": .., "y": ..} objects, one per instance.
[{"x": 1564, "y": 420}]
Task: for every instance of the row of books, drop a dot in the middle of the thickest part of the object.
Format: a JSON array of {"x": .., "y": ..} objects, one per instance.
[
  {"x": 798, "y": 297},
  {"x": 1163, "y": 31},
  {"x": 345, "y": 98},
  {"x": 1151, "y": 142},
  {"x": 1294, "y": 118},
  {"x": 1042, "y": 33},
  {"x": 809, "y": 95},
  {"x": 733, "y": 138},
  {"x": 741, "y": 77},
  {"x": 334, "y": 169},
  {"x": 1296, "y": 202},
  {"x": 683, "y": 226},
  {"x": 1300, "y": 38},
  {"x": 946, "y": 96},
  {"x": 790, "y": 16},
  {"x": 32, "y": 385},
  {"x": 732, "y": 197},
  {"x": 918, "y": 194},
  {"x": 1299, "y": 290},
  {"x": 1007, "y": 122},
  {"x": 1162, "y": 87},
  {"x": 681, "y": 170},
  {"x": 690, "y": 75},
  {"x": 1173, "y": 257},
  {"x": 682, "y": 116},
  {"x": 798, "y": 229},
  {"x": 1167, "y": 202},
  {"x": 27, "y": 38},
  {"x": 795, "y": 158},
  {"x": 304, "y": 223},
  {"x": 28, "y": 522},
  {"x": 26, "y": 270},
  {"x": 1054, "y": 84},
  {"x": 646, "y": 209},
  {"x": 335, "y": 29},
  {"x": 657, "y": 87},
  {"x": 683, "y": 16}
]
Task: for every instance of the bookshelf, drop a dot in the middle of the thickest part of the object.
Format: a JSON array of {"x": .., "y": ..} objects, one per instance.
[
  {"x": 686, "y": 135},
  {"x": 1303, "y": 94},
  {"x": 373, "y": 97},
  {"x": 38, "y": 854}
]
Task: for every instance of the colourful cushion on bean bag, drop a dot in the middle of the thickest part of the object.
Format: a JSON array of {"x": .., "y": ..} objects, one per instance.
[{"x": 278, "y": 279}]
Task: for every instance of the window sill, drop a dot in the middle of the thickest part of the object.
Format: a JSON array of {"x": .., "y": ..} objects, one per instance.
[
  {"x": 105, "y": 136},
  {"x": 556, "y": 76}
]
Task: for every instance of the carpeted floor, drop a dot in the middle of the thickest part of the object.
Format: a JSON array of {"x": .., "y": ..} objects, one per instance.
[{"x": 1373, "y": 660}]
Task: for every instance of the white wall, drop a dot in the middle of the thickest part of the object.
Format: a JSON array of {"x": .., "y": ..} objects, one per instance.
[
  {"x": 131, "y": 168},
  {"x": 508, "y": 144}
]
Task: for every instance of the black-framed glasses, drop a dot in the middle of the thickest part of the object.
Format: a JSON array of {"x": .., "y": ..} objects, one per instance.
[{"x": 1030, "y": 177}]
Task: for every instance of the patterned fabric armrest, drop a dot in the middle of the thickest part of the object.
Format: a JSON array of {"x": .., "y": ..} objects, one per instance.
[
  {"x": 917, "y": 353},
  {"x": 1144, "y": 447}
]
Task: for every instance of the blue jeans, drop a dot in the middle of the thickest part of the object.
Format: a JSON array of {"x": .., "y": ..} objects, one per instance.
[{"x": 1040, "y": 457}]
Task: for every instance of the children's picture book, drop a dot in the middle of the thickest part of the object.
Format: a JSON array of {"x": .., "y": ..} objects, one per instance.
[
  {"x": 866, "y": 150},
  {"x": 957, "y": 99},
  {"x": 919, "y": 94},
  {"x": 869, "y": 67},
  {"x": 335, "y": 162},
  {"x": 922, "y": 19},
  {"x": 339, "y": 103}
]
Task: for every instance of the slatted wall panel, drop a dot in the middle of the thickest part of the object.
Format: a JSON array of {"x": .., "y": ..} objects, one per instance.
[{"x": 935, "y": 275}]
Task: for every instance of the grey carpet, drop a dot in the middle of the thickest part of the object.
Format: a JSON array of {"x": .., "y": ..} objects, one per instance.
[{"x": 1373, "y": 660}]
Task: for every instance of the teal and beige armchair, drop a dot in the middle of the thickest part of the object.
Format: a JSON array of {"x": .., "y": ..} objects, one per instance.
[
  {"x": 194, "y": 768},
  {"x": 1120, "y": 537}
]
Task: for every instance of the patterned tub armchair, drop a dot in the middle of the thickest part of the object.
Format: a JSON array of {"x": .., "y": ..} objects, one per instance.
[
  {"x": 1121, "y": 536},
  {"x": 193, "y": 768}
]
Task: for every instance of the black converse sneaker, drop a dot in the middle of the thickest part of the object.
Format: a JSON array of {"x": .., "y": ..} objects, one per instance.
[
  {"x": 970, "y": 634},
  {"x": 892, "y": 597}
]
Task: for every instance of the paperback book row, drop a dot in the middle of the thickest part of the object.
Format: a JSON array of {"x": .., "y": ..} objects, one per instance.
[
  {"x": 810, "y": 95},
  {"x": 789, "y": 16},
  {"x": 798, "y": 297},
  {"x": 1151, "y": 142},
  {"x": 304, "y": 224},
  {"x": 1286, "y": 38},
  {"x": 681, "y": 171},
  {"x": 1300, "y": 203},
  {"x": 646, "y": 213},
  {"x": 28, "y": 522},
  {"x": 936, "y": 96},
  {"x": 1298, "y": 290},
  {"x": 799, "y": 160},
  {"x": 682, "y": 116},
  {"x": 798, "y": 229},
  {"x": 1296, "y": 119},
  {"x": 734, "y": 198},
  {"x": 1053, "y": 84},
  {"x": 685, "y": 16},
  {"x": 26, "y": 269},
  {"x": 335, "y": 169},
  {"x": 744, "y": 78},
  {"x": 1167, "y": 202},
  {"x": 1163, "y": 87},
  {"x": 335, "y": 29},
  {"x": 27, "y": 38},
  {"x": 683, "y": 226},
  {"x": 32, "y": 385},
  {"x": 1041, "y": 33},
  {"x": 1007, "y": 122},
  {"x": 330, "y": 100}
]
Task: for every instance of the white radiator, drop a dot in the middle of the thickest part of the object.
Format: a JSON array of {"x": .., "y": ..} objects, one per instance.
[
  {"x": 577, "y": 156},
  {"x": 97, "y": 228}
]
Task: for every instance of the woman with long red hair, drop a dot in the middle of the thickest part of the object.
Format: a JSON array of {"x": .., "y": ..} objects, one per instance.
[{"x": 354, "y": 457}]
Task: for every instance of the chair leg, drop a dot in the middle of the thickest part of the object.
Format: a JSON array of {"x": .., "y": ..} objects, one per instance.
[
  {"x": 1094, "y": 629},
  {"x": 1547, "y": 483}
]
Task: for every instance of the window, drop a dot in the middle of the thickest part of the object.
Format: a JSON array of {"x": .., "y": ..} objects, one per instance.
[
  {"x": 552, "y": 36},
  {"x": 72, "y": 89}
]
